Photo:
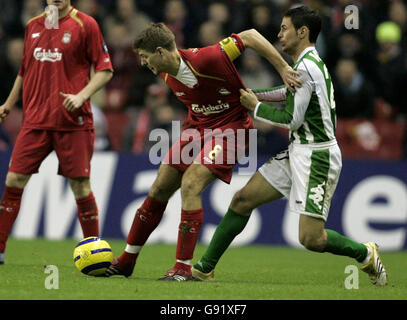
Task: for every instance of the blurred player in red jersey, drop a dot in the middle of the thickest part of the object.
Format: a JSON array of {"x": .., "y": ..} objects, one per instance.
[
  {"x": 55, "y": 84},
  {"x": 207, "y": 82}
]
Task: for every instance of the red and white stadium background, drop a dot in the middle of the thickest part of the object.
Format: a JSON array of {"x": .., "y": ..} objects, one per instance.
[{"x": 370, "y": 203}]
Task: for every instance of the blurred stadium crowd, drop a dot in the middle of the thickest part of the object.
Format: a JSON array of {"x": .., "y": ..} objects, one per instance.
[{"x": 368, "y": 66}]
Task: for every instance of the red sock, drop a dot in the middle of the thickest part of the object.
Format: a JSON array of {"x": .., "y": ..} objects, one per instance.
[
  {"x": 9, "y": 208},
  {"x": 188, "y": 232},
  {"x": 88, "y": 216},
  {"x": 147, "y": 218}
]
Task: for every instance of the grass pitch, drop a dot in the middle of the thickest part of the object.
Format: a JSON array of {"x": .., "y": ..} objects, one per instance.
[{"x": 243, "y": 273}]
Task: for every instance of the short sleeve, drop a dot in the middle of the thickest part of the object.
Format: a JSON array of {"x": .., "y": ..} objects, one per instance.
[{"x": 97, "y": 51}]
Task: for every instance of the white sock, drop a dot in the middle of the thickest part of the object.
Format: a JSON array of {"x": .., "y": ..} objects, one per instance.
[
  {"x": 367, "y": 259},
  {"x": 188, "y": 262},
  {"x": 132, "y": 249}
]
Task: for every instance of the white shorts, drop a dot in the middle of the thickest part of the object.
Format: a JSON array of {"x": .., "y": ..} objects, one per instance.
[{"x": 307, "y": 176}]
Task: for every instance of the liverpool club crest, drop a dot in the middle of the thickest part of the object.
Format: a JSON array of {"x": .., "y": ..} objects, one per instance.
[{"x": 66, "y": 38}]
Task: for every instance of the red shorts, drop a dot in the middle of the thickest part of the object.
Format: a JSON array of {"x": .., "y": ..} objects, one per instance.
[
  {"x": 218, "y": 149},
  {"x": 74, "y": 150}
]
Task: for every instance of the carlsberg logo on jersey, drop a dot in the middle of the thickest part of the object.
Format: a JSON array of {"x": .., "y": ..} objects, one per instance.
[
  {"x": 208, "y": 109},
  {"x": 42, "y": 55}
]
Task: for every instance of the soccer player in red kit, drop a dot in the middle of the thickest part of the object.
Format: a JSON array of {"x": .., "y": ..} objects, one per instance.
[
  {"x": 55, "y": 84},
  {"x": 207, "y": 82}
]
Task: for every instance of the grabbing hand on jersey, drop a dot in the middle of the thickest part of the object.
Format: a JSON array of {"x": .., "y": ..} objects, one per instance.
[
  {"x": 72, "y": 102},
  {"x": 248, "y": 99},
  {"x": 291, "y": 78}
]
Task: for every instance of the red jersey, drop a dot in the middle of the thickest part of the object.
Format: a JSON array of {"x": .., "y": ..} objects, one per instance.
[
  {"x": 60, "y": 60},
  {"x": 215, "y": 100}
]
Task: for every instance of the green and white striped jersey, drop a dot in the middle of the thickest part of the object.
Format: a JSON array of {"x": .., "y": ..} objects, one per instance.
[{"x": 309, "y": 113}]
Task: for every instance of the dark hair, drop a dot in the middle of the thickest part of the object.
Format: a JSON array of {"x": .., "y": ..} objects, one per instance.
[
  {"x": 304, "y": 16},
  {"x": 155, "y": 35}
]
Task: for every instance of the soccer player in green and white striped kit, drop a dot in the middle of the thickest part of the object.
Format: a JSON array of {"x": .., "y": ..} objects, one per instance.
[{"x": 308, "y": 172}]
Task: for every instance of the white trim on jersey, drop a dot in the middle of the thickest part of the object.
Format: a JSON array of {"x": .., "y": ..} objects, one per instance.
[{"x": 185, "y": 75}]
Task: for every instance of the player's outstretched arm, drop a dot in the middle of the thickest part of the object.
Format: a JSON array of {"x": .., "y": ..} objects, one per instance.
[
  {"x": 275, "y": 94},
  {"x": 253, "y": 39},
  {"x": 292, "y": 116},
  {"x": 281, "y": 118},
  {"x": 12, "y": 99}
]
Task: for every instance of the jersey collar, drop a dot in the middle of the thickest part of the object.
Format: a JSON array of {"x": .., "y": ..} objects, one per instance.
[
  {"x": 185, "y": 75},
  {"x": 304, "y": 52},
  {"x": 68, "y": 14}
]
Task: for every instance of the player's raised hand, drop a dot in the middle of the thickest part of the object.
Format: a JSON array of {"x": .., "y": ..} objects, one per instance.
[
  {"x": 72, "y": 102},
  {"x": 248, "y": 99},
  {"x": 291, "y": 78},
  {"x": 4, "y": 111}
]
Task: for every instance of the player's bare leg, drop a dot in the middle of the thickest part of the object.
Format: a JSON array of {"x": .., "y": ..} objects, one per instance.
[
  {"x": 80, "y": 187},
  {"x": 86, "y": 204},
  {"x": 196, "y": 178},
  {"x": 167, "y": 182},
  {"x": 147, "y": 218},
  {"x": 10, "y": 206},
  {"x": 17, "y": 180},
  {"x": 312, "y": 234},
  {"x": 256, "y": 192}
]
